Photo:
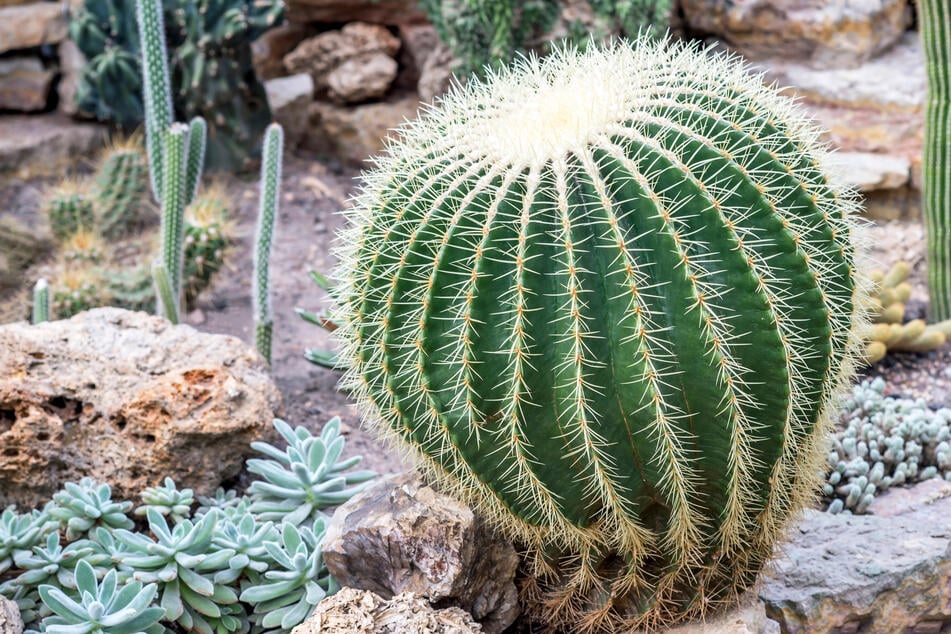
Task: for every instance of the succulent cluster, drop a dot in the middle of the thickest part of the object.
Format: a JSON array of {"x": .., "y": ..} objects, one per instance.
[
  {"x": 887, "y": 311},
  {"x": 883, "y": 442},
  {"x": 211, "y": 71},
  {"x": 80, "y": 565}
]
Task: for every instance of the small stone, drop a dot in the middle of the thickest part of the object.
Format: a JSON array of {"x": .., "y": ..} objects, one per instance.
[
  {"x": 357, "y": 80},
  {"x": 363, "y": 612},
  {"x": 31, "y": 25},
  {"x": 24, "y": 84},
  {"x": 196, "y": 317},
  {"x": 10, "y": 620},
  {"x": 128, "y": 399},
  {"x": 400, "y": 535},
  {"x": 289, "y": 99},
  {"x": 825, "y": 34}
]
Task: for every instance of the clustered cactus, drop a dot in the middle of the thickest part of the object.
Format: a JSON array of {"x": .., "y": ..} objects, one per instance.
[
  {"x": 205, "y": 240},
  {"x": 883, "y": 442},
  {"x": 217, "y": 569},
  {"x": 211, "y": 74},
  {"x": 69, "y": 209},
  {"x": 887, "y": 311},
  {"x": 615, "y": 325}
]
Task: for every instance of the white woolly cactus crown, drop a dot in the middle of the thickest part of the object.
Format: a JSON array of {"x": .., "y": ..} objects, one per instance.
[{"x": 608, "y": 298}]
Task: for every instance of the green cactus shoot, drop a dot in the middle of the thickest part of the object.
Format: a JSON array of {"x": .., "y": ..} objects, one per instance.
[
  {"x": 935, "y": 19},
  {"x": 608, "y": 298}
]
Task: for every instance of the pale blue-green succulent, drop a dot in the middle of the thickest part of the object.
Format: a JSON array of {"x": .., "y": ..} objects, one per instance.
[
  {"x": 288, "y": 592},
  {"x": 19, "y": 533},
  {"x": 304, "y": 478},
  {"x": 104, "y": 608},
  {"x": 80, "y": 507},
  {"x": 167, "y": 501}
]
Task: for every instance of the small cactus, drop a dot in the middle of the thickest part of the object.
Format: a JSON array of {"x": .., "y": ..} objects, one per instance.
[
  {"x": 69, "y": 209},
  {"x": 206, "y": 240},
  {"x": 41, "y": 301},
  {"x": 78, "y": 289},
  {"x": 118, "y": 190}
]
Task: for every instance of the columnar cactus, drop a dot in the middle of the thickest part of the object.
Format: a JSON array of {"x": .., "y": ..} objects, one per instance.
[
  {"x": 935, "y": 18},
  {"x": 608, "y": 298},
  {"x": 270, "y": 192},
  {"x": 41, "y": 301}
]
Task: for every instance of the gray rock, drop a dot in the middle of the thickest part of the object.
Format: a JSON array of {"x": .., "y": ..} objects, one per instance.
[
  {"x": 289, "y": 98},
  {"x": 825, "y": 34},
  {"x": 24, "y": 84},
  {"x": 428, "y": 59},
  {"x": 883, "y": 574},
  {"x": 868, "y": 172},
  {"x": 45, "y": 143},
  {"x": 400, "y": 535},
  {"x": 357, "y": 132},
  {"x": 362, "y": 612},
  {"x": 32, "y": 25},
  {"x": 71, "y": 63},
  {"x": 10, "y": 620},
  {"x": 128, "y": 399}
]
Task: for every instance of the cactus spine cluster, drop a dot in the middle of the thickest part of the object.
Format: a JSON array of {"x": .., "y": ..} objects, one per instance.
[
  {"x": 935, "y": 19},
  {"x": 270, "y": 191},
  {"x": 615, "y": 325}
]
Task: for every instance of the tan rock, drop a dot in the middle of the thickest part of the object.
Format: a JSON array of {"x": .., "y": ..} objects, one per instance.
[
  {"x": 429, "y": 62},
  {"x": 341, "y": 61},
  {"x": 41, "y": 144},
  {"x": 268, "y": 51},
  {"x": 390, "y": 12},
  {"x": 10, "y": 620},
  {"x": 24, "y": 84},
  {"x": 362, "y": 78},
  {"x": 358, "y": 132},
  {"x": 825, "y": 34},
  {"x": 747, "y": 618},
  {"x": 30, "y": 25},
  {"x": 400, "y": 535},
  {"x": 362, "y": 612},
  {"x": 128, "y": 399}
]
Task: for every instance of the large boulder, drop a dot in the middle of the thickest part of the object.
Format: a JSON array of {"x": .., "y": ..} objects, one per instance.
[
  {"x": 825, "y": 34},
  {"x": 128, "y": 399},
  {"x": 363, "y": 612},
  {"x": 351, "y": 65},
  {"x": 400, "y": 535},
  {"x": 877, "y": 574},
  {"x": 358, "y": 132}
]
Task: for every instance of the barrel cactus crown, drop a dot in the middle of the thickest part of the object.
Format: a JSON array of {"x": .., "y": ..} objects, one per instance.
[{"x": 608, "y": 298}]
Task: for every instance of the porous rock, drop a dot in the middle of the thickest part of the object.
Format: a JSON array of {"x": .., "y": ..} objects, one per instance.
[
  {"x": 825, "y": 34},
  {"x": 875, "y": 574},
  {"x": 31, "y": 25},
  {"x": 128, "y": 399},
  {"x": 390, "y": 12},
  {"x": 363, "y": 612},
  {"x": 355, "y": 133},
  {"x": 10, "y": 620},
  {"x": 352, "y": 64},
  {"x": 400, "y": 535}
]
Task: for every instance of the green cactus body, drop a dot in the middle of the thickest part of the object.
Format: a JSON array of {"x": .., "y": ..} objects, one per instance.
[
  {"x": 41, "y": 301},
  {"x": 118, "y": 191},
  {"x": 935, "y": 18},
  {"x": 270, "y": 192},
  {"x": 614, "y": 325},
  {"x": 205, "y": 241},
  {"x": 175, "y": 156},
  {"x": 69, "y": 210}
]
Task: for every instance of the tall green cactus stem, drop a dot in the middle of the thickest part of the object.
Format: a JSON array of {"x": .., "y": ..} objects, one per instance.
[
  {"x": 616, "y": 325},
  {"x": 935, "y": 19},
  {"x": 270, "y": 194},
  {"x": 165, "y": 296},
  {"x": 157, "y": 95},
  {"x": 197, "y": 140},
  {"x": 175, "y": 155},
  {"x": 41, "y": 301},
  {"x": 118, "y": 189}
]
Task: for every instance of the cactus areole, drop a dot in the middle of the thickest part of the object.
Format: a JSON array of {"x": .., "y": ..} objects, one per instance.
[{"x": 607, "y": 298}]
